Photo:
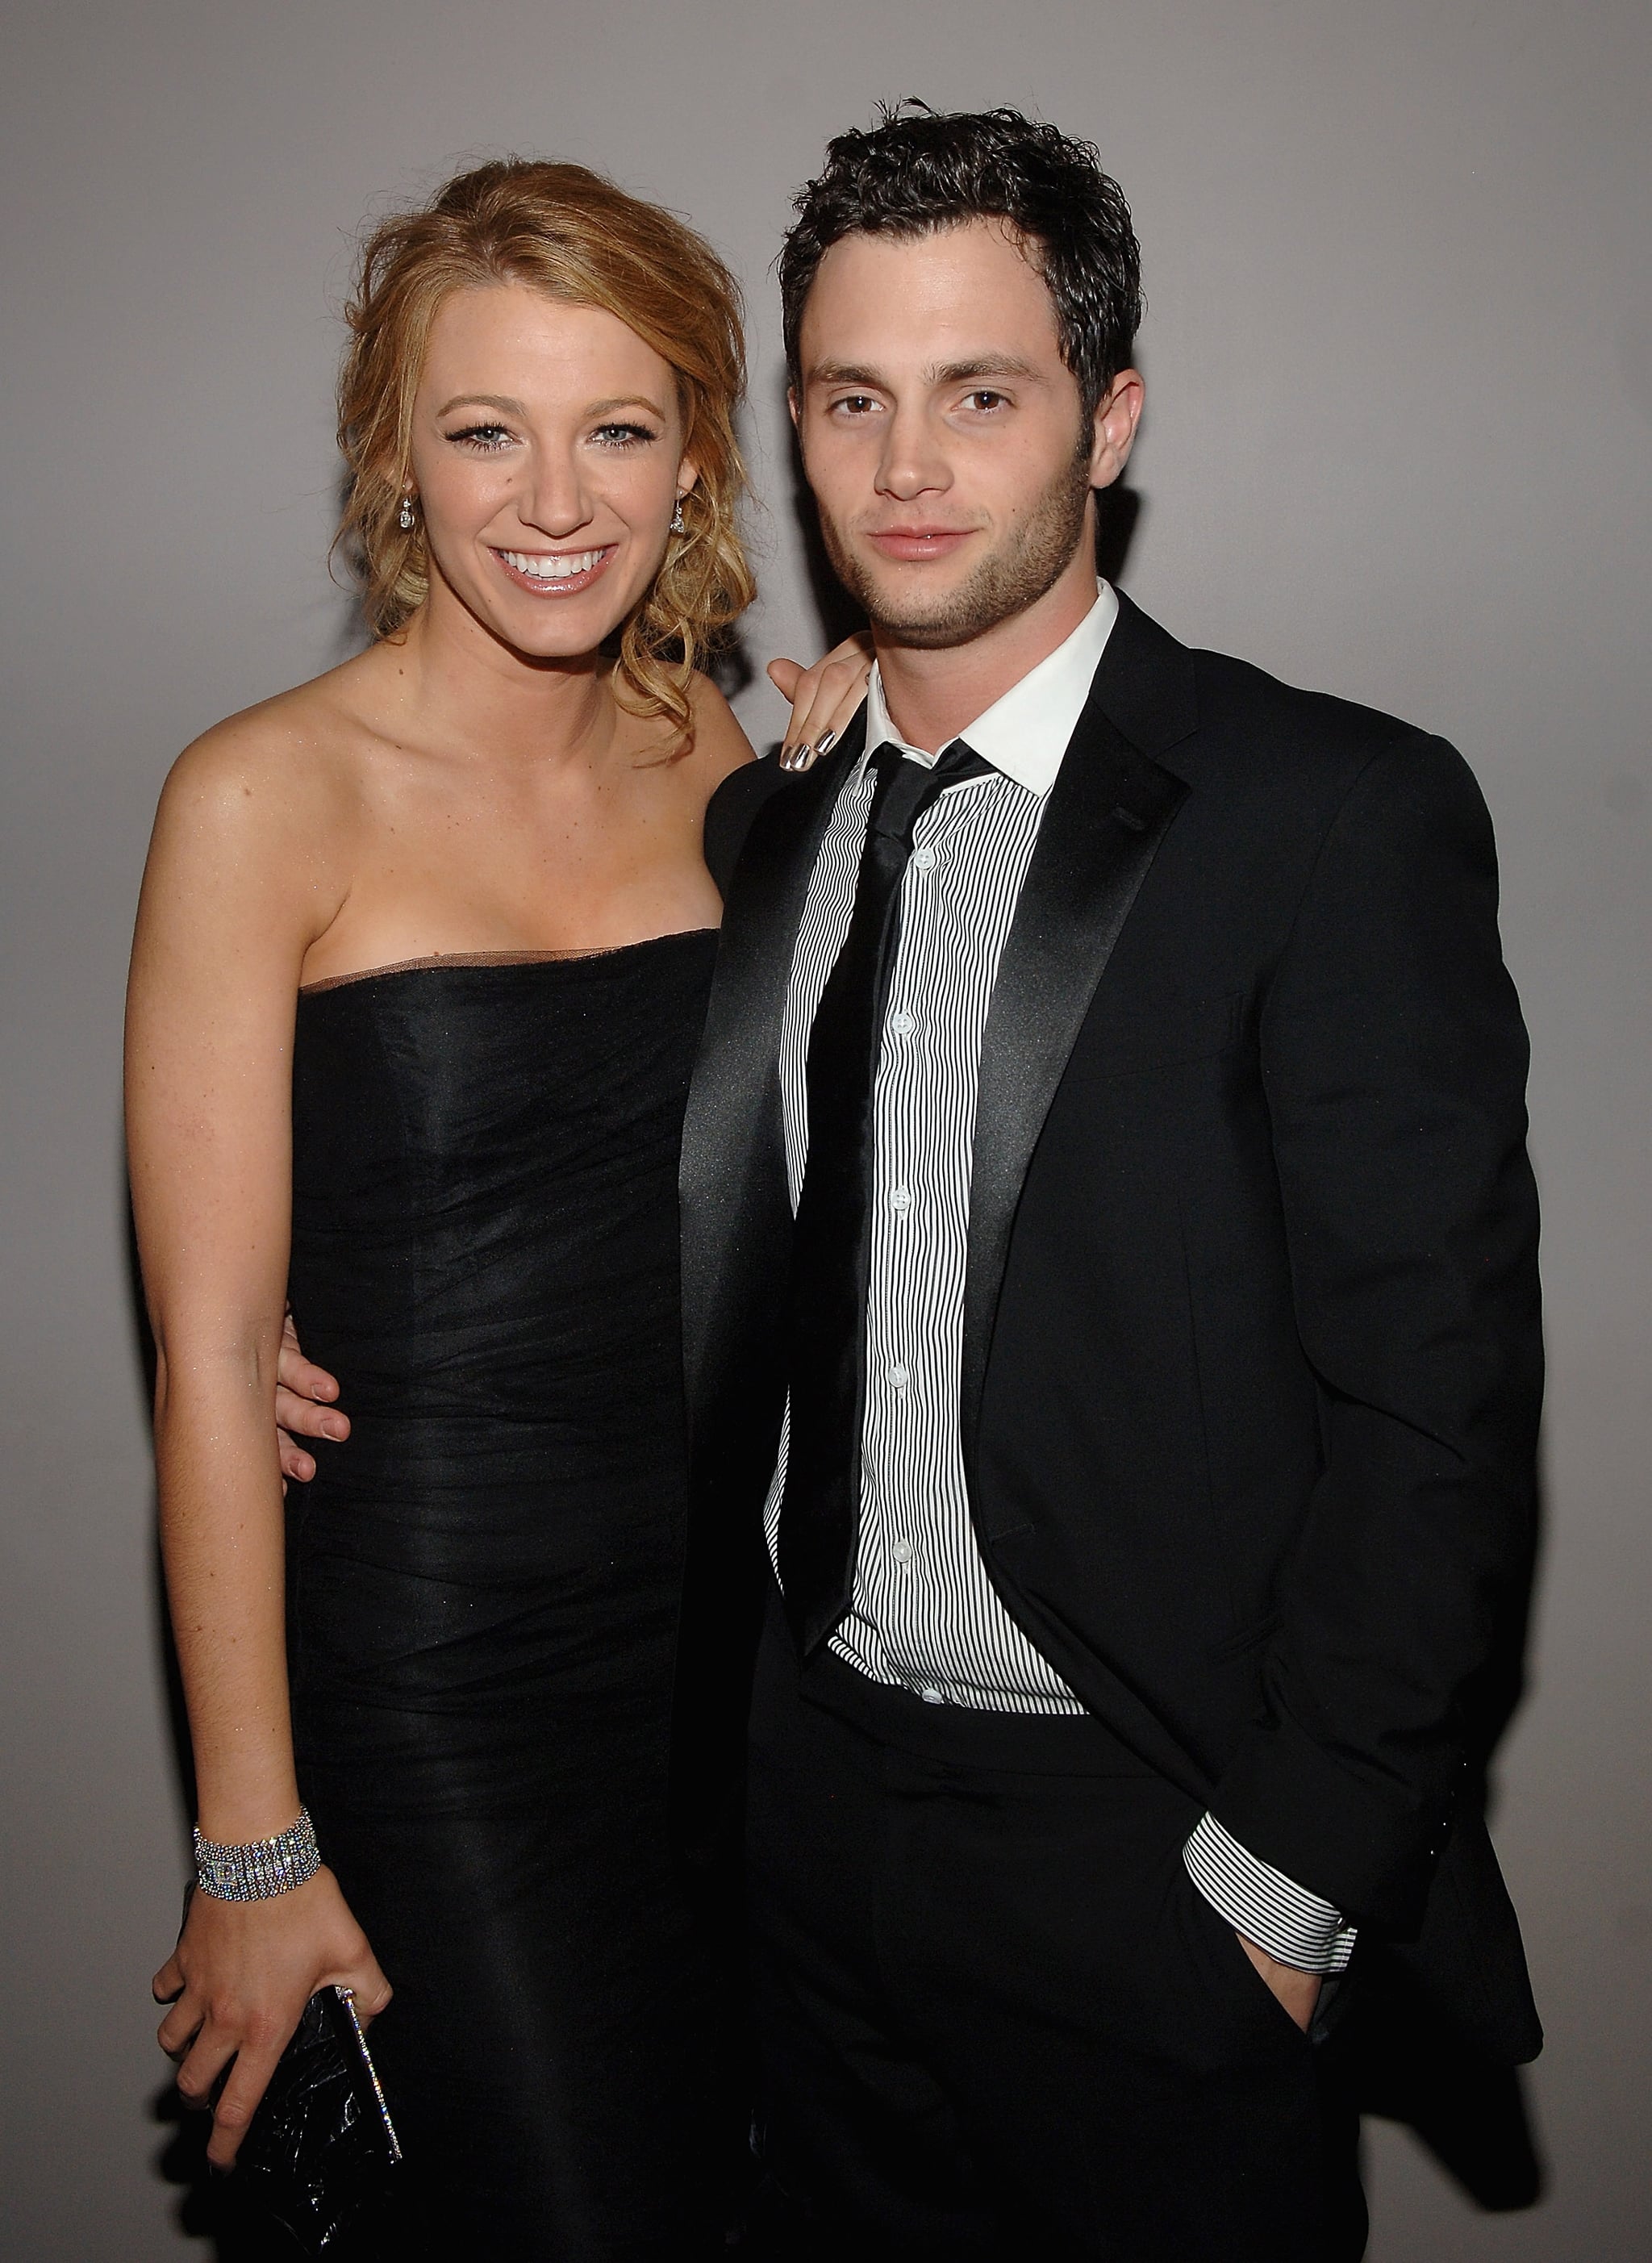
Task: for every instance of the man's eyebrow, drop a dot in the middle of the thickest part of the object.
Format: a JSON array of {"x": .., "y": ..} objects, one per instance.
[
  {"x": 989, "y": 365},
  {"x": 951, "y": 372},
  {"x": 845, "y": 372}
]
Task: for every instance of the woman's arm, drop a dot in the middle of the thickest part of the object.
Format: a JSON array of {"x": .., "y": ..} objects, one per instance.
[{"x": 233, "y": 895}]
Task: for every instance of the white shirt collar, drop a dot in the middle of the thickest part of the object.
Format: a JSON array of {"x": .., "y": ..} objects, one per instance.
[{"x": 1025, "y": 734}]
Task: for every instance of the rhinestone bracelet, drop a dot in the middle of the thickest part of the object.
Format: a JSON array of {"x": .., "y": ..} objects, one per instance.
[{"x": 269, "y": 1866}]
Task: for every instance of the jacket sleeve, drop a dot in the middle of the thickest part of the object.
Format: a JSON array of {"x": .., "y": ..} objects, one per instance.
[
  {"x": 731, "y": 810},
  {"x": 1394, "y": 1059}
]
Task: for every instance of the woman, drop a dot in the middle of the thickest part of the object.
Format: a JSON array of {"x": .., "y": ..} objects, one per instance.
[{"x": 420, "y": 968}]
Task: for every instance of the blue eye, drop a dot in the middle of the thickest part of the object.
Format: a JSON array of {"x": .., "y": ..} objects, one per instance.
[
  {"x": 484, "y": 439},
  {"x": 624, "y": 436}
]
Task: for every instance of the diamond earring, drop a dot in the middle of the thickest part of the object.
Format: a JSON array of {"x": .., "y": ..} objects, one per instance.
[
  {"x": 404, "y": 516},
  {"x": 677, "y": 526}
]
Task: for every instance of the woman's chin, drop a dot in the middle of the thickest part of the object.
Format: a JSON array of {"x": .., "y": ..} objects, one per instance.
[
  {"x": 547, "y": 630},
  {"x": 572, "y": 638}
]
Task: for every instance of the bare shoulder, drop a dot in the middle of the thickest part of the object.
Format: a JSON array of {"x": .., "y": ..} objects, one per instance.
[
  {"x": 275, "y": 772},
  {"x": 719, "y": 744},
  {"x": 254, "y": 837}
]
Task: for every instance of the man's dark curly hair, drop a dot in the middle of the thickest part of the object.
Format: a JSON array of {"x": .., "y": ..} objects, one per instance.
[{"x": 918, "y": 169}]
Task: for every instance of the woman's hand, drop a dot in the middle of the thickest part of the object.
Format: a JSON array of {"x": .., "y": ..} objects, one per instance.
[
  {"x": 823, "y": 699},
  {"x": 237, "y": 1984},
  {"x": 303, "y": 1406}
]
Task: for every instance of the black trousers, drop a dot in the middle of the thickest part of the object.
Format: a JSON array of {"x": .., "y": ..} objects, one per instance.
[{"x": 996, "y": 2018}]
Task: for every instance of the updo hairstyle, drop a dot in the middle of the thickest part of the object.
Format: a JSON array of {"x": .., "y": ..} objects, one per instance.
[{"x": 564, "y": 230}]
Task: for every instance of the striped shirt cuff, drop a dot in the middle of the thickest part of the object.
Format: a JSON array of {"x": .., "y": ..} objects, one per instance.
[{"x": 1264, "y": 1905}]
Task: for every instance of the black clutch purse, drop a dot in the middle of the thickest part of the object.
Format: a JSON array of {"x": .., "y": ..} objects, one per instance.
[{"x": 320, "y": 2155}]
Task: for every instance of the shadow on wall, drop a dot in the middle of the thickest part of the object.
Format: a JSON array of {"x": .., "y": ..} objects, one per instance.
[
  {"x": 1472, "y": 2115},
  {"x": 177, "y": 1717},
  {"x": 212, "y": 2206},
  {"x": 353, "y": 631}
]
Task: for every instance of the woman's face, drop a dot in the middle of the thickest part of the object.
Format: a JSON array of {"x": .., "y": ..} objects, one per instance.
[{"x": 547, "y": 460}]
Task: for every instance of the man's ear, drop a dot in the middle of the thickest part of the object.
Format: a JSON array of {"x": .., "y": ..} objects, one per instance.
[
  {"x": 791, "y": 404},
  {"x": 1117, "y": 415}
]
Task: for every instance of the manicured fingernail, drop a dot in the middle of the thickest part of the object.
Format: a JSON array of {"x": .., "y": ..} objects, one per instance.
[
  {"x": 336, "y": 1427},
  {"x": 826, "y": 741}
]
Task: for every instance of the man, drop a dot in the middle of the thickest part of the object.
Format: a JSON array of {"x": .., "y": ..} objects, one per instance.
[
  {"x": 1144, "y": 1400},
  {"x": 1111, "y": 1321}
]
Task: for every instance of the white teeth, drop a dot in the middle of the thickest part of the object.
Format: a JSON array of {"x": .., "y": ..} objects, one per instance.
[{"x": 543, "y": 566}]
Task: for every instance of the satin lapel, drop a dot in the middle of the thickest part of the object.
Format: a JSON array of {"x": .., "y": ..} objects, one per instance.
[
  {"x": 1109, "y": 809},
  {"x": 735, "y": 1207}
]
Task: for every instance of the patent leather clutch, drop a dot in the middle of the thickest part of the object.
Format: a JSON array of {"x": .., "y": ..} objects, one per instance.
[{"x": 321, "y": 2156}]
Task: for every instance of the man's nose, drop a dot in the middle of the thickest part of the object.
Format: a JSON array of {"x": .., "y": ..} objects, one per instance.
[{"x": 913, "y": 462}]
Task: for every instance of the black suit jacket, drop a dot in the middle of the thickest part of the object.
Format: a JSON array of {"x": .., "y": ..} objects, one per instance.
[{"x": 1252, "y": 1358}]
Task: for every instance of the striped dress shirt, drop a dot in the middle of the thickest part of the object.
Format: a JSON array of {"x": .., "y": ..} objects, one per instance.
[{"x": 924, "y": 1616}]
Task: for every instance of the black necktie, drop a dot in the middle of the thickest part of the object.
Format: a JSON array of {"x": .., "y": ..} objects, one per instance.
[{"x": 820, "y": 1508}]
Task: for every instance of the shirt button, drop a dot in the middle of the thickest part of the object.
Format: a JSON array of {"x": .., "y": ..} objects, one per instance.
[
  {"x": 924, "y": 859},
  {"x": 902, "y": 1024},
  {"x": 932, "y": 1696},
  {"x": 900, "y": 1377},
  {"x": 902, "y": 1551},
  {"x": 901, "y": 1200}
]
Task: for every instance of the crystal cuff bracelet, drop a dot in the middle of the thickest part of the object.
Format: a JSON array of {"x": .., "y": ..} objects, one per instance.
[{"x": 253, "y": 1873}]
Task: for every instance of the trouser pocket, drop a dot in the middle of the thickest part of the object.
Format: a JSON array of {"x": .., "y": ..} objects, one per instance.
[{"x": 1238, "y": 1993}]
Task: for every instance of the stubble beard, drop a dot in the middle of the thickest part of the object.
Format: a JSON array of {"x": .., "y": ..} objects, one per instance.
[{"x": 1011, "y": 577}]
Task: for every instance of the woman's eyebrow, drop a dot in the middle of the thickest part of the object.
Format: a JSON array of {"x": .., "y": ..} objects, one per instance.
[
  {"x": 513, "y": 408},
  {"x": 481, "y": 400}
]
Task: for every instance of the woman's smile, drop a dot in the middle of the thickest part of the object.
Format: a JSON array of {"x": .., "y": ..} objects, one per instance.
[{"x": 555, "y": 573}]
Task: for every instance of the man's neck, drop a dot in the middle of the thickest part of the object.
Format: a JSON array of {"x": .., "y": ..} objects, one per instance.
[{"x": 935, "y": 693}]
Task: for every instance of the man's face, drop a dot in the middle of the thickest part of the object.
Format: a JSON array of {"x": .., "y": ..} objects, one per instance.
[{"x": 943, "y": 433}]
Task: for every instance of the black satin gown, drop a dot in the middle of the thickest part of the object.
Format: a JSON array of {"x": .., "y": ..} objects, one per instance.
[{"x": 484, "y": 1580}]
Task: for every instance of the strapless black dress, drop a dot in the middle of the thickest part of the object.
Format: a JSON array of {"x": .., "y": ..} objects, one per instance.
[{"x": 484, "y": 1580}]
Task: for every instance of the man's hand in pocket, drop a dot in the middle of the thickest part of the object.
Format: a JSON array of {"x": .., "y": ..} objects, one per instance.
[{"x": 1298, "y": 1991}]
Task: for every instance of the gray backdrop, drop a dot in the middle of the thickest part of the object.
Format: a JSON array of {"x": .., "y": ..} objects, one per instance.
[{"x": 1399, "y": 362}]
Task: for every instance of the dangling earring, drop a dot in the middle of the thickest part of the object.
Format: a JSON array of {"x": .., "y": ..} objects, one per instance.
[
  {"x": 404, "y": 516},
  {"x": 677, "y": 526}
]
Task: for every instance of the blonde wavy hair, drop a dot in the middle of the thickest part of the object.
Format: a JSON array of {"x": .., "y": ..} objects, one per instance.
[{"x": 564, "y": 230}]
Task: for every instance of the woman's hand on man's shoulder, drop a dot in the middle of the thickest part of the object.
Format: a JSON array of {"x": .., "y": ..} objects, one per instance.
[{"x": 824, "y": 700}]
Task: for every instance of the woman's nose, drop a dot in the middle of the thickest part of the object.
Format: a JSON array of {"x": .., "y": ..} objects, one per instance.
[{"x": 556, "y": 502}]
